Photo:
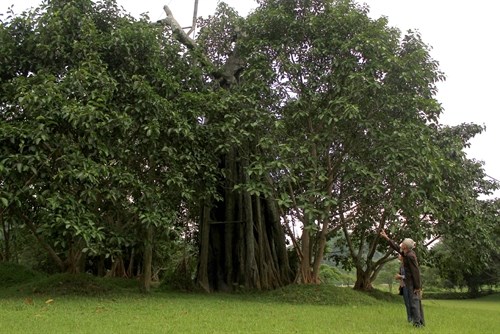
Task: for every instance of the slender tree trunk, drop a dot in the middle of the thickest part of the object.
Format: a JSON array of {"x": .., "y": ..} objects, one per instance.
[
  {"x": 320, "y": 251},
  {"x": 229, "y": 200},
  {"x": 260, "y": 249},
  {"x": 148, "y": 260},
  {"x": 117, "y": 268},
  {"x": 304, "y": 274},
  {"x": 75, "y": 259},
  {"x": 276, "y": 242},
  {"x": 5, "y": 256},
  {"x": 204, "y": 249},
  {"x": 130, "y": 268},
  {"x": 101, "y": 267}
]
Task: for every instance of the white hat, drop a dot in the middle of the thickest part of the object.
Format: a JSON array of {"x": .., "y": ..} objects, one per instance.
[{"x": 409, "y": 243}]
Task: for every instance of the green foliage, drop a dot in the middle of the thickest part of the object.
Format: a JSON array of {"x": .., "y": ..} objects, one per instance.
[
  {"x": 100, "y": 133},
  {"x": 470, "y": 256},
  {"x": 354, "y": 141},
  {"x": 181, "y": 270},
  {"x": 329, "y": 274},
  {"x": 351, "y": 142},
  {"x": 387, "y": 273}
]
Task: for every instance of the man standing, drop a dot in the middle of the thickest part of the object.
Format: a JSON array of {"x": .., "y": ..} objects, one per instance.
[{"x": 412, "y": 277}]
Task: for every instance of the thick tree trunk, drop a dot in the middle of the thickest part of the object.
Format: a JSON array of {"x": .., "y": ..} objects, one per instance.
[
  {"x": 363, "y": 280},
  {"x": 261, "y": 251},
  {"x": 73, "y": 264},
  {"x": 242, "y": 243},
  {"x": 277, "y": 248},
  {"x": 251, "y": 270}
]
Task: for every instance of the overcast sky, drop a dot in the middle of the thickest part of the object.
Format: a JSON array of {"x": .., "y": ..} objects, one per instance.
[{"x": 463, "y": 36}]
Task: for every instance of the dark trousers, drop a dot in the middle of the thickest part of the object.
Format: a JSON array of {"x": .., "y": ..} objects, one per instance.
[
  {"x": 406, "y": 298},
  {"x": 416, "y": 310}
]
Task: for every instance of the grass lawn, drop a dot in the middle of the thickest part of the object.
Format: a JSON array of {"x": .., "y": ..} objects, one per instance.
[{"x": 50, "y": 307}]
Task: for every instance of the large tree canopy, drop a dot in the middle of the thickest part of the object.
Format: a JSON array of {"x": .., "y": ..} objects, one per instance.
[
  {"x": 354, "y": 141},
  {"x": 306, "y": 116},
  {"x": 354, "y": 113},
  {"x": 100, "y": 136}
]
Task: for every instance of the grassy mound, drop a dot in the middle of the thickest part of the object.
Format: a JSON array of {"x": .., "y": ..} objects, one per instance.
[
  {"x": 69, "y": 284},
  {"x": 80, "y": 284},
  {"x": 322, "y": 294},
  {"x": 15, "y": 278},
  {"x": 12, "y": 274},
  {"x": 325, "y": 294}
]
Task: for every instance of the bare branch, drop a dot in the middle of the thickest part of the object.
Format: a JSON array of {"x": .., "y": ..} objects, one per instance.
[
  {"x": 177, "y": 29},
  {"x": 229, "y": 73}
]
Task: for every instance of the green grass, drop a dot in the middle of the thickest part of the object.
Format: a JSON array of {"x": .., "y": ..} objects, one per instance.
[{"x": 91, "y": 305}]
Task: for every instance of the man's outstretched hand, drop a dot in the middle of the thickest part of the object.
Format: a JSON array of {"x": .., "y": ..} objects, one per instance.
[{"x": 384, "y": 235}]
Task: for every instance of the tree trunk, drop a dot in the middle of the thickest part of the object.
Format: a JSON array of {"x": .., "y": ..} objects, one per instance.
[
  {"x": 363, "y": 279},
  {"x": 320, "y": 251},
  {"x": 147, "y": 261},
  {"x": 261, "y": 250},
  {"x": 130, "y": 268},
  {"x": 101, "y": 267},
  {"x": 242, "y": 243},
  {"x": 202, "y": 275},
  {"x": 5, "y": 255},
  {"x": 277, "y": 248},
  {"x": 52, "y": 254},
  {"x": 304, "y": 274},
  {"x": 74, "y": 263},
  {"x": 230, "y": 215},
  {"x": 117, "y": 268}
]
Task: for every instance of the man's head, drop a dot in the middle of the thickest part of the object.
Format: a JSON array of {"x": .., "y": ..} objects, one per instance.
[{"x": 407, "y": 245}]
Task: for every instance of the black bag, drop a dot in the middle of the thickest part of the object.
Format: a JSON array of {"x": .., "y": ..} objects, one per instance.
[{"x": 400, "y": 290}]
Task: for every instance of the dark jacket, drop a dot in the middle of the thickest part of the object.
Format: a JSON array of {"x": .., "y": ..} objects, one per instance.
[{"x": 410, "y": 264}]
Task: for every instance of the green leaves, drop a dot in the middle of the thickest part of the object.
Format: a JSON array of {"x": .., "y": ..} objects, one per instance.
[{"x": 99, "y": 129}]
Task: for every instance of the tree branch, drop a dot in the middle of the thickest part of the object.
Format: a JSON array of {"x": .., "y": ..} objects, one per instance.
[
  {"x": 43, "y": 243},
  {"x": 181, "y": 35},
  {"x": 229, "y": 73}
]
